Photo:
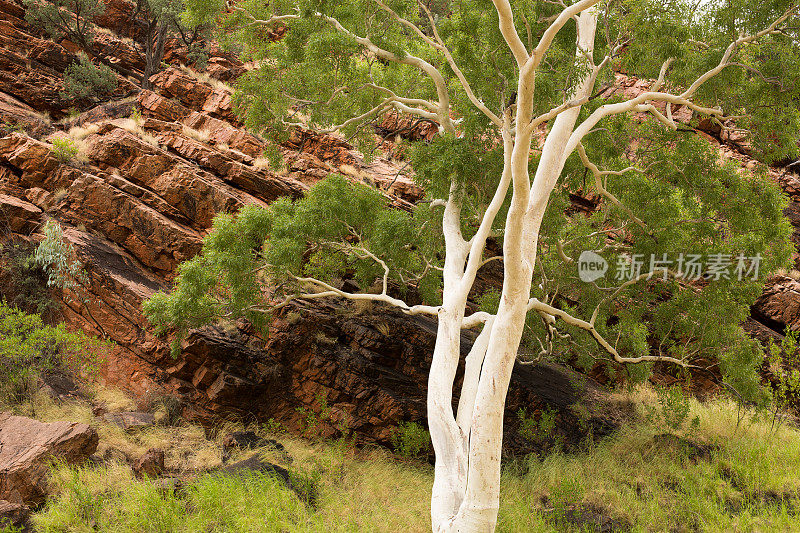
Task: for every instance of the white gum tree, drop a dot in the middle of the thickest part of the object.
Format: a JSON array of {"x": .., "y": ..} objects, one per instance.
[{"x": 520, "y": 82}]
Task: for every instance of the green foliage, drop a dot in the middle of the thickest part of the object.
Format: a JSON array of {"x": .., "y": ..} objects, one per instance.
[
  {"x": 784, "y": 363},
  {"x": 156, "y": 20},
  {"x": 56, "y": 257},
  {"x": 762, "y": 87},
  {"x": 689, "y": 201},
  {"x": 24, "y": 282},
  {"x": 64, "y": 149},
  {"x": 673, "y": 410},
  {"x": 58, "y": 260},
  {"x": 332, "y": 225},
  {"x": 49, "y": 15},
  {"x": 692, "y": 204},
  {"x": 411, "y": 440},
  {"x": 29, "y": 348},
  {"x": 273, "y": 427},
  {"x": 84, "y": 79},
  {"x": 312, "y": 420},
  {"x": 537, "y": 430}
]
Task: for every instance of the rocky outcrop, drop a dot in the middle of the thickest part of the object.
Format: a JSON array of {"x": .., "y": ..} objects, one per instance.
[
  {"x": 369, "y": 368},
  {"x": 14, "y": 515},
  {"x": 151, "y": 464},
  {"x": 143, "y": 193},
  {"x": 26, "y": 448}
]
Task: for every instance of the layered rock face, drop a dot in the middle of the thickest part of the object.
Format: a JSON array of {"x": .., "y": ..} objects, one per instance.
[
  {"x": 370, "y": 367},
  {"x": 142, "y": 195}
]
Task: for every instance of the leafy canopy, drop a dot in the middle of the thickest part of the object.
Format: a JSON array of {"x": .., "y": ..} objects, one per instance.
[{"x": 680, "y": 199}]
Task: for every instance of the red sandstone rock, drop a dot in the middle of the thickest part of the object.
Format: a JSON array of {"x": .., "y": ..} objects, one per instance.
[
  {"x": 27, "y": 445},
  {"x": 14, "y": 514},
  {"x": 151, "y": 464}
]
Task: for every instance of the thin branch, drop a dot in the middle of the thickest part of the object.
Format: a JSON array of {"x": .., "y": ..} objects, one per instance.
[
  {"x": 537, "y": 305},
  {"x": 333, "y": 291},
  {"x": 439, "y": 44},
  {"x": 598, "y": 181}
]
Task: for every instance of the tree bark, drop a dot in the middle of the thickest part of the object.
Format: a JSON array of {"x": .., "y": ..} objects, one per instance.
[{"x": 479, "y": 503}]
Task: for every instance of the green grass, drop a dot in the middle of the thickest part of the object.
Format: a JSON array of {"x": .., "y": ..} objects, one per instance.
[{"x": 750, "y": 482}]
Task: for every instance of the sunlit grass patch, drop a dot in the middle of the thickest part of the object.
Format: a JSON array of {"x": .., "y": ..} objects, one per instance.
[{"x": 746, "y": 480}]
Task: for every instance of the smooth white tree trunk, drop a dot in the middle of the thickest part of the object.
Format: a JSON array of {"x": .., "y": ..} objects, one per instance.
[{"x": 466, "y": 493}]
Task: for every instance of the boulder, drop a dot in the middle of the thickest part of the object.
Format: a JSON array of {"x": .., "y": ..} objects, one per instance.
[
  {"x": 131, "y": 420},
  {"x": 151, "y": 464},
  {"x": 14, "y": 515},
  {"x": 300, "y": 485},
  {"x": 26, "y": 448}
]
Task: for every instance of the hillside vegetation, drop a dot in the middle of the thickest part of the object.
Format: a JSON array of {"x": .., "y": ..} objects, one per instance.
[{"x": 726, "y": 472}]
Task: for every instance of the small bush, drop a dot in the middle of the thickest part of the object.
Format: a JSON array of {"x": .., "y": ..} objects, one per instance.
[
  {"x": 411, "y": 440},
  {"x": 29, "y": 349},
  {"x": 23, "y": 282},
  {"x": 674, "y": 410},
  {"x": 537, "y": 430},
  {"x": 784, "y": 359},
  {"x": 136, "y": 116},
  {"x": 65, "y": 150},
  {"x": 84, "y": 79},
  {"x": 273, "y": 427}
]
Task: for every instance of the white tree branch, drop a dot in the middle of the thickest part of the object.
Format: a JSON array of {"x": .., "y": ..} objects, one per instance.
[
  {"x": 535, "y": 304},
  {"x": 333, "y": 291},
  {"x": 598, "y": 181},
  {"x": 639, "y": 103},
  {"x": 436, "y": 76},
  {"x": 439, "y": 44},
  {"x": 478, "y": 241},
  {"x": 506, "y": 16}
]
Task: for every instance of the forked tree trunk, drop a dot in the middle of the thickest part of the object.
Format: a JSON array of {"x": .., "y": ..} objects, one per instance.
[{"x": 466, "y": 492}]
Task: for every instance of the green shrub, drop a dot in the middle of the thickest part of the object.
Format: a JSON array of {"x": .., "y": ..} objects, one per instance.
[
  {"x": 64, "y": 149},
  {"x": 537, "y": 430},
  {"x": 673, "y": 410},
  {"x": 784, "y": 360},
  {"x": 23, "y": 282},
  {"x": 411, "y": 440},
  {"x": 29, "y": 349},
  {"x": 83, "y": 79}
]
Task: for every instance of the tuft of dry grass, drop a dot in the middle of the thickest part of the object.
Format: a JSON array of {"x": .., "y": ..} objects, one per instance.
[
  {"x": 152, "y": 140},
  {"x": 197, "y": 135},
  {"x": 350, "y": 170},
  {"x": 133, "y": 125},
  {"x": 261, "y": 163},
  {"x": 204, "y": 77},
  {"x": 114, "y": 400},
  {"x": 79, "y": 133}
]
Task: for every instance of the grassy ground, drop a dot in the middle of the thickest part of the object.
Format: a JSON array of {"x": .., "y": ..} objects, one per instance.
[{"x": 742, "y": 478}]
